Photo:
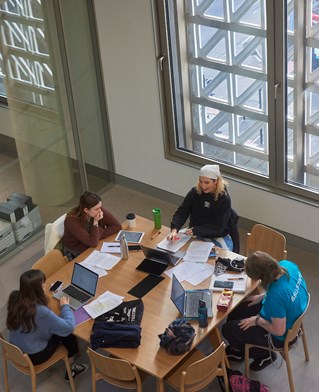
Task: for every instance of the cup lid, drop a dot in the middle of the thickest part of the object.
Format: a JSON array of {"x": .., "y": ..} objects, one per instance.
[{"x": 130, "y": 216}]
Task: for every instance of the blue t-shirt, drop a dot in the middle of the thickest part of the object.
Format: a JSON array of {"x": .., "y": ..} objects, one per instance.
[{"x": 286, "y": 297}]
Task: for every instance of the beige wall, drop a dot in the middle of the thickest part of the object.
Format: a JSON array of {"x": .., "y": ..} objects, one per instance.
[{"x": 130, "y": 71}]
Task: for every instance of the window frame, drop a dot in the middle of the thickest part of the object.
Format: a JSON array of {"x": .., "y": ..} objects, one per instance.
[{"x": 276, "y": 17}]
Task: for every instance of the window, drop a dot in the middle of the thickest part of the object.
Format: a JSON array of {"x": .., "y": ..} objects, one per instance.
[{"x": 241, "y": 86}]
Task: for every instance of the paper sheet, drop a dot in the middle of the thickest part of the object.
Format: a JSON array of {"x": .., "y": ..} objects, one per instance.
[
  {"x": 105, "y": 302},
  {"x": 198, "y": 251},
  {"x": 110, "y": 247},
  {"x": 101, "y": 260},
  {"x": 174, "y": 246}
]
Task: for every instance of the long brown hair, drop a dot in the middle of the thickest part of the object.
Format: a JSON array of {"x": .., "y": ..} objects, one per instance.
[
  {"x": 22, "y": 303},
  {"x": 261, "y": 266},
  {"x": 87, "y": 200}
]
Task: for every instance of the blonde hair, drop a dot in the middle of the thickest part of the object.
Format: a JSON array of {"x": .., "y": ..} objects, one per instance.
[{"x": 220, "y": 187}]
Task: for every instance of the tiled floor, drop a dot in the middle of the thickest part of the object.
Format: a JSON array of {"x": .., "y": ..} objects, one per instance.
[{"x": 121, "y": 201}]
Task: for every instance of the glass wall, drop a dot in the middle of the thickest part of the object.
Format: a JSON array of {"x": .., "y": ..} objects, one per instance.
[{"x": 56, "y": 137}]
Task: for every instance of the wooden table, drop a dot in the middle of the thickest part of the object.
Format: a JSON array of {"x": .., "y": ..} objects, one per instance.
[{"x": 159, "y": 311}]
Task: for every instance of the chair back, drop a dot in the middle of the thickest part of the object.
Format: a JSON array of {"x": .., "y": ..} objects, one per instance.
[
  {"x": 267, "y": 240},
  {"x": 13, "y": 354},
  {"x": 297, "y": 325},
  {"x": 202, "y": 372},
  {"x": 116, "y": 371},
  {"x": 53, "y": 233},
  {"x": 50, "y": 262}
]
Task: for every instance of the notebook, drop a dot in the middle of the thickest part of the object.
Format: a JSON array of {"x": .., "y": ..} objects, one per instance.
[
  {"x": 187, "y": 301},
  {"x": 82, "y": 288},
  {"x": 238, "y": 282}
]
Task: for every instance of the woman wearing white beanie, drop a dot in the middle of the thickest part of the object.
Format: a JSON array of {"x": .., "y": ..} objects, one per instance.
[{"x": 208, "y": 207}]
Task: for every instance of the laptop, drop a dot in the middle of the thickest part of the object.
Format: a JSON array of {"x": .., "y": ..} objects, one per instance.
[
  {"x": 187, "y": 301},
  {"x": 82, "y": 288},
  {"x": 162, "y": 255}
]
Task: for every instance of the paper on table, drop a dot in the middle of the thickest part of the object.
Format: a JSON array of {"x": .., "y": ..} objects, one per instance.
[
  {"x": 101, "y": 272},
  {"x": 239, "y": 280},
  {"x": 110, "y": 247},
  {"x": 105, "y": 302},
  {"x": 205, "y": 273},
  {"x": 102, "y": 260},
  {"x": 174, "y": 246},
  {"x": 198, "y": 251}
]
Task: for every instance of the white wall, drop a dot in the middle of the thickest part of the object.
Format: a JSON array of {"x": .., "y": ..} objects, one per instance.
[{"x": 129, "y": 63}]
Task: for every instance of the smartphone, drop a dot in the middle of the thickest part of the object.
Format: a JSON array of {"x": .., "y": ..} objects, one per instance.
[
  {"x": 224, "y": 284},
  {"x": 56, "y": 285},
  {"x": 134, "y": 247}
]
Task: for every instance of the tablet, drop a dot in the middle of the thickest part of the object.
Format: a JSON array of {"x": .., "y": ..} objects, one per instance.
[{"x": 130, "y": 236}]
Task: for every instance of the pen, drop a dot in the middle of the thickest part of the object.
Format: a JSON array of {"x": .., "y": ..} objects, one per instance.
[
  {"x": 155, "y": 235},
  {"x": 113, "y": 246},
  {"x": 235, "y": 279}
]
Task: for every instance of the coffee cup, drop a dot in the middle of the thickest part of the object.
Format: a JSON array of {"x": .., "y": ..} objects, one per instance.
[{"x": 130, "y": 218}]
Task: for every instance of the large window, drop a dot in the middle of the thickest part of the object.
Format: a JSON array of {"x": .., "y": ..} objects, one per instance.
[{"x": 241, "y": 83}]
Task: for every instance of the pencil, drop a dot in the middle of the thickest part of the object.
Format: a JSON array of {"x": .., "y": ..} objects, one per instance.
[{"x": 155, "y": 235}]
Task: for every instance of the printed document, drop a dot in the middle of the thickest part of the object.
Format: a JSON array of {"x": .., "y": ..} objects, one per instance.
[
  {"x": 198, "y": 251},
  {"x": 103, "y": 303},
  {"x": 174, "y": 246}
]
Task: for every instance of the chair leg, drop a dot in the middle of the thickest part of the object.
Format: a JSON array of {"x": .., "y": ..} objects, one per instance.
[
  {"x": 33, "y": 382},
  {"x": 291, "y": 381},
  {"x": 247, "y": 347},
  {"x": 304, "y": 342},
  {"x": 68, "y": 369},
  {"x": 5, "y": 373}
]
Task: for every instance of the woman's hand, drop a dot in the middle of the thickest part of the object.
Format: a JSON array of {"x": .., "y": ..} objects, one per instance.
[
  {"x": 189, "y": 231},
  {"x": 247, "y": 323},
  {"x": 172, "y": 235},
  {"x": 97, "y": 218},
  {"x": 64, "y": 301}
]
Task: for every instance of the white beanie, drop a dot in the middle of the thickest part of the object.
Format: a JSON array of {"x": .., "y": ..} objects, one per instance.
[{"x": 210, "y": 171}]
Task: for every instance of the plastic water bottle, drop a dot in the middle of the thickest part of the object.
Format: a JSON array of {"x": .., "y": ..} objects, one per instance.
[
  {"x": 124, "y": 247},
  {"x": 202, "y": 314}
]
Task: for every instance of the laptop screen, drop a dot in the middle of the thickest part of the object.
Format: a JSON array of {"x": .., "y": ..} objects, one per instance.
[
  {"x": 84, "y": 279},
  {"x": 156, "y": 254},
  {"x": 178, "y": 294}
]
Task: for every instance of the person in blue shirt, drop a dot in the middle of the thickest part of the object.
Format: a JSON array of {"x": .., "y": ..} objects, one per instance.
[
  {"x": 265, "y": 318},
  {"x": 34, "y": 328},
  {"x": 208, "y": 207}
]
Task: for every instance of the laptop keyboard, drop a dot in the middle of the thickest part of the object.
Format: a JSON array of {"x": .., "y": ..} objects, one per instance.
[
  {"x": 193, "y": 303},
  {"x": 77, "y": 294}
]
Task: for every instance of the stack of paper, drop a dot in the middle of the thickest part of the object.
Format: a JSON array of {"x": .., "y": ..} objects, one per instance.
[
  {"x": 239, "y": 281},
  {"x": 177, "y": 244},
  {"x": 198, "y": 251}
]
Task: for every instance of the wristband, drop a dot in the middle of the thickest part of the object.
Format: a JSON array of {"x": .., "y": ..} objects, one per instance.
[{"x": 257, "y": 318}]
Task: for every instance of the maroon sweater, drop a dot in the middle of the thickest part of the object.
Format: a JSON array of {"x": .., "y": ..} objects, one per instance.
[{"x": 77, "y": 236}]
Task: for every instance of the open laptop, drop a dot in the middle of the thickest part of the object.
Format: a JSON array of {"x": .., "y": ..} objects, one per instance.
[
  {"x": 187, "y": 301},
  {"x": 82, "y": 288},
  {"x": 162, "y": 255},
  {"x": 156, "y": 261}
]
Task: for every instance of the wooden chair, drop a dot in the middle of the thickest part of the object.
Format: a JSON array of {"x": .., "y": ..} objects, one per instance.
[
  {"x": 23, "y": 363},
  {"x": 197, "y": 371},
  {"x": 51, "y": 262},
  {"x": 296, "y": 330},
  {"x": 118, "y": 372},
  {"x": 267, "y": 240}
]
